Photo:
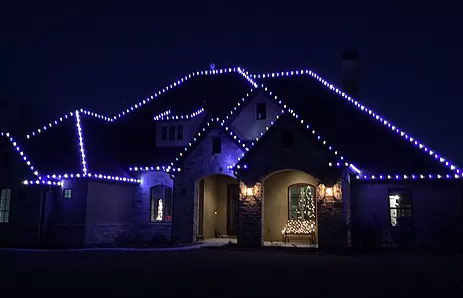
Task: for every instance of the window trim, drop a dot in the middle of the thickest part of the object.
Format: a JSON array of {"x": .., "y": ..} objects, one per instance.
[
  {"x": 315, "y": 200},
  {"x": 389, "y": 191},
  {"x": 6, "y": 211},
  {"x": 164, "y": 220}
]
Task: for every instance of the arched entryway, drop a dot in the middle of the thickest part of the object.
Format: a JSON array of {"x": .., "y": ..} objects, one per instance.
[
  {"x": 217, "y": 208},
  {"x": 290, "y": 209}
]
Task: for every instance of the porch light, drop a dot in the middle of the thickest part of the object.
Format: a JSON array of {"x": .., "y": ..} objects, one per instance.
[
  {"x": 249, "y": 191},
  {"x": 329, "y": 192}
]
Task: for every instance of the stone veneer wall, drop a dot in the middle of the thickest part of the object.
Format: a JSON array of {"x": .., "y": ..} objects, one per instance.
[
  {"x": 144, "y": 231},
  {"x": 334, "y": 219},
  {"x": 198, "y": 164},
  {"x": 251, "y": 217}
]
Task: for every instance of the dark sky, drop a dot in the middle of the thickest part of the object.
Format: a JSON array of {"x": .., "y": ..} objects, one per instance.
[{"x": 109, "y": 56}]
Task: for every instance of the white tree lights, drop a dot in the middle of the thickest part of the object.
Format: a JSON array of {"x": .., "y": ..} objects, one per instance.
[{"x": 365, "y": 109}]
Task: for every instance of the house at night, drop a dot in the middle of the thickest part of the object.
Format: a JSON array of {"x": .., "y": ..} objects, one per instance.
[{"x": 282, "y": 158}]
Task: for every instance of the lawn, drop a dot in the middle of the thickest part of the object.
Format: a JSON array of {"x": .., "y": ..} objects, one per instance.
[{"x": 214, "y": 272}]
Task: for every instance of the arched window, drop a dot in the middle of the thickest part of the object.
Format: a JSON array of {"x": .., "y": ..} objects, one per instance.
[
  {"x": 301, "y": 202},
  {"x": 161, "y": 203},
  {"x": 5, "y": 195}
]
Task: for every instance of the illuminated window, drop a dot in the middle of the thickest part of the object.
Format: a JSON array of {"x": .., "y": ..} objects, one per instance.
[
  {"x": 172, "y": 132},
  {"x": 164, "y": 133},
  {"x": 261, "y": 111},
  {"x": 301, "y": 202},
  {"x": 216, "y": 145},
  {"x": 5, "y": 205},
  {"x": 161, "y": 204},
  {"x": 67, "y": 193},
  {"x": 180, "y": 132},
  {"x": 400, "y": 206}
]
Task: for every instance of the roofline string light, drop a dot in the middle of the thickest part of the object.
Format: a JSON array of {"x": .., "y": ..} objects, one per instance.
[
  {"x": 367, "y": 110},
  {"x": 303, "y": 122},
  {"x": 50, "y": 125},
  {"x": 94, "y": 176},
  {"x": 165, "y": 169},
  {"x": 158, "y": 93},
  {"x": 165, "y": 115},
  {"x": 16, "y": 146},
  {"x": 42, "y": 182},
  {"x": 408, "y": 177},
  {"x": 81, "y": 143}
]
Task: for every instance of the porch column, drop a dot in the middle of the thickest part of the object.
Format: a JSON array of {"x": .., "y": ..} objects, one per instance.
[
  {"x": 250, "y": 215},
  {"x": 334, "y": 219}
]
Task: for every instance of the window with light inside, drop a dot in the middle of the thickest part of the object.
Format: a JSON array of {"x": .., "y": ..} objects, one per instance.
[
  {"x": 67, "y": 193},
  {"x": 400, "y": 205},
  {"x": 302, "y": 202},
  {"x": 5, "y": 205},
  {"x": 161, "y": 204}
]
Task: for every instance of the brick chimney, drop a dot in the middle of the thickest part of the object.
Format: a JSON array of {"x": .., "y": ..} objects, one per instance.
[{"x": 350, "y": 72}]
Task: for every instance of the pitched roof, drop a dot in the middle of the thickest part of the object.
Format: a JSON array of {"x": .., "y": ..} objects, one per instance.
[
  {"x": 365, "y": 137},
  {"x": 112, "y": 144}
]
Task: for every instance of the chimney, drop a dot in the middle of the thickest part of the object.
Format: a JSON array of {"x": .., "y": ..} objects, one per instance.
[{"x": 350, "y": 72}]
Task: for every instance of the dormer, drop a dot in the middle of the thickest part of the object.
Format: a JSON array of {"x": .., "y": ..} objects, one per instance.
[
  {"x": 174, "y": 130},
  {"x": 255, "y": 116}
]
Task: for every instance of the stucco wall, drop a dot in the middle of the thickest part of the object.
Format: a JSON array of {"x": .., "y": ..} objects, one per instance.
[
  {"x": 246, "y": 125},
  {"x": 276, "y": 200},
  {"x": 22, "y": 228},
  {"x": 190, "y": 127},
  {"x": 437, "y": 212},
  {"x": 215, "y": 200}
]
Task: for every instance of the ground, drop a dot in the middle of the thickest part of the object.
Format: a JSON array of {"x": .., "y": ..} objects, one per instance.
[{"x": 227, "y": 272}]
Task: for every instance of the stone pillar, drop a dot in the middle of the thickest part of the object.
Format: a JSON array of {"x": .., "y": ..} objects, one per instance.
[
  {"x": 250, "y": 220},
  {"x": 334, "y": 219},
  {"x": 184, "y": 210},
  {"x": 347, "y": 206}
]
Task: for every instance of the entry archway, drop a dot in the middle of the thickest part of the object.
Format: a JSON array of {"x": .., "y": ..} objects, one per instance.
[
  {"x": 217, "y": 207},
  {"x": 290, "y": 209}
]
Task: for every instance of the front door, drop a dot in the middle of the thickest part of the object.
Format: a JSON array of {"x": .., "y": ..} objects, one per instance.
[{"x": 232, "y": 209}]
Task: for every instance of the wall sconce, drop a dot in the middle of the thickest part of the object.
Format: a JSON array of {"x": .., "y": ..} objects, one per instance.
[
  {"x": 329, "y": 192},
  {"x": 249, "y": 191},
  {"x": 254, "y": 191}
]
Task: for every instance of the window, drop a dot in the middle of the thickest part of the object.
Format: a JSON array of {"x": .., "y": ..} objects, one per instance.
[
  {"x": 5, "y": 205},
  {"x": 180, "y": 132},
  {"x": 287, "y": 140},
  {"x": 67, "y": 193},
  {"x": 301, "y": 202},
  {"x": 400, "y": 206},
  {"x": 164, "y": 133},
  {"x": 261, "y": 111},
  {"x": 161, "y": 204},
  {"x": 172, "y": 132},
  {"x": 216, "y": 145}
]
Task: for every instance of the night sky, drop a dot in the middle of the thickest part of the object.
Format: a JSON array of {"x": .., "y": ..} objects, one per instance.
[{"x": 410, "y": 57}]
